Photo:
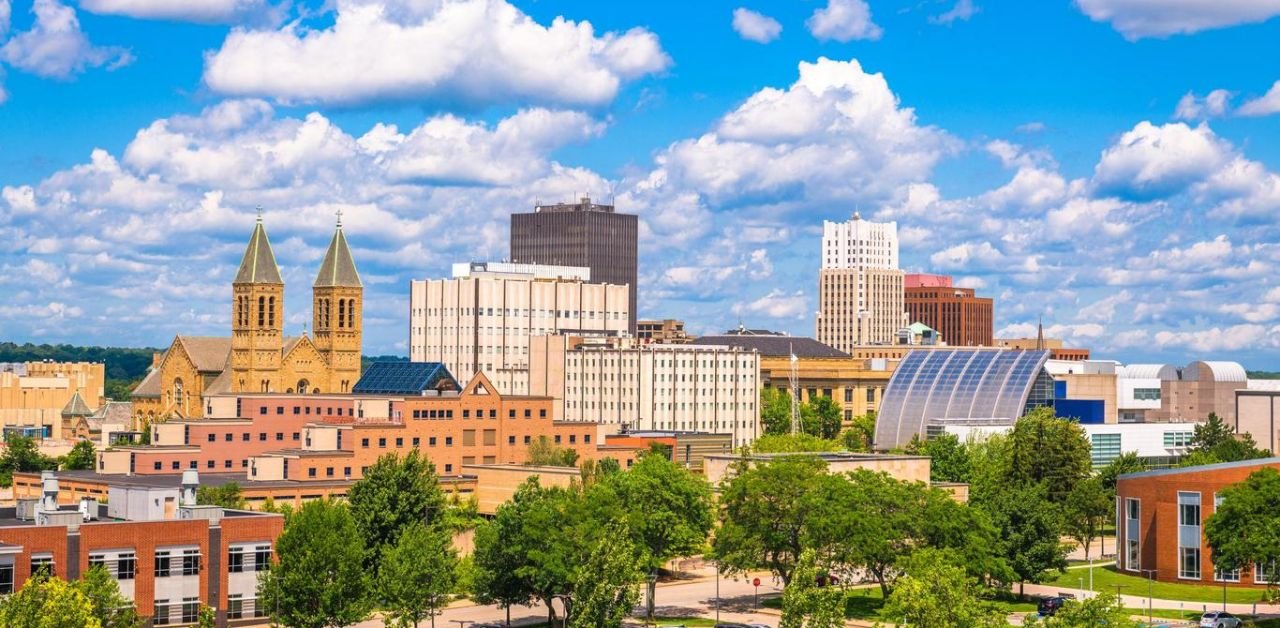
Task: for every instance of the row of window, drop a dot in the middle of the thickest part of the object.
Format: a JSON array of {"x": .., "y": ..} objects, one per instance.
[
  {"x": 246, "y": 437},
  {"x": 466, "y": 413},
  {"x": 1189, "y": 543},
  {"x": 468, "y": 440}
]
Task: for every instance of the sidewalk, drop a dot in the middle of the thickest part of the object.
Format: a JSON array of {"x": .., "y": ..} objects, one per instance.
[{"x": 1140, "y": 601}]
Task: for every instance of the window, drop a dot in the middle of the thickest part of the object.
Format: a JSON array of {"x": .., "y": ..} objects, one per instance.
[
  {"x": 468, "y": 438},
  {"x": 382, "y": 442},
  {"x": 235, "y": 606},
  {"x": 262, "y": 436},
  {"x": 191, "y": 562},
  {"x": 1146, "y": 394},
  {"x": 1264, "y": 574},
  {"x": 1106, "y": 447},
  {"x": 6, "y": 578},
  {"x": 431, "y": 441},
  {"x": 416, "y": 441},
  {"x": 235, "y": 559},
  {"x": 1132, "y": 534},
  {"x": 511, "y": 440},
  {"x": 209, "y": 464},
  {"x": 364, "y": 442},
  {"x": 226, "y": 464},
  {"x": 162, "y": 565},
  {"x": 542, "y": 413},
  {"x": 311, "y": 472},
  {"x": 511, "y": 413},
  {"x": 262, "y": 555},
  {"x": 871, "y": 395},
  {"x": 191, "y": 608},
  {"x": 1189, "y": 535},
  {"x": 399, "y": 442},
  {"x": 448, "y": 441},
  {"x": 157, "y": 465},
  {"x": 466, "y": 414},
  {"x": 212, "y": 437},
  {"x": 161, "y": 617},
  {"x": 244, "y": 437},
  {"x": 448, "y": 468},
  {"x": 527, "y": 440},
  {"x": 279, "y": 435},
  {"x": 848, "y": 395},
  {"x": 1177, "y": 439},
  {"x": 176, "y": 465}
]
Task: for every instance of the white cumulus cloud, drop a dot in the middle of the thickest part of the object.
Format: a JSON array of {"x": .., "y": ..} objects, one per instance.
[
  {"x": 753, "y": 26},
  {"x": 55, "y": 47},
  {"x": 960, "y": 12},
  {"x": 1136, "y": 19},
  {"x": 843, "y": 20},
  {"x": 470, "y": 51},
  {"x": 776, "y": 304},
  {"x": 1213, "y": 105},
  {"x": 198, "y": 11},
  {"x": 1264, "y": 105},
  {"x": 1152, "y": 161}
]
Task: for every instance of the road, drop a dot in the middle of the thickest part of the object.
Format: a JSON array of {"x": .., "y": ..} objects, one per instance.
[{"x": 692, "y": 598}]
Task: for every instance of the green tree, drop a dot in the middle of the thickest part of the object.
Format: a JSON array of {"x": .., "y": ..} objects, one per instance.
[
  {"x": 607, "y": 586},
  {"x": 394, "y": 493},
  {"x": 1049, "y": 450},
  {"x": 208, "y": 617},
  {"x": 417, "y": 574},
  {"x": 665, "y": 507},
  {"x": 80, "y": 457},
  {"x": 775, "y": 410},
  {"x": 1127, "y": 462},
  {"x": 112, "y": 609},
  {"x": 821, "y": 417},
  {"x": 1103, "y": 609},
  {"x": 320, "y": 579},
  {"x": 791, "y": 444},
  {"x": 949, "y": 458},
  {"x": 1244, "y": 529},
  {"x": 22, "y": 454},
  {"x": 532, "y": 547},
  {"x": 1087, "y": 510},
  {"x": 48, "y": 603},
  {"x": 935, "y": 592},
  {"x": 805, "y": 603},
  {"x": 1029, "y": 527},
  {"x": 1214, "y": 441},
  {"x": 768, "y": 514},
  {"x": 861, "y": 433},
  {"x": 544, "y": 453},
  {"x": 228, "y": 495}
]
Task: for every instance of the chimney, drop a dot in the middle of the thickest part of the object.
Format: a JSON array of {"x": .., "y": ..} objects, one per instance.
[
  {"x": 190, "y": 482},
  {"x": 155, "y": 359},
  {"x": 49, "y": 490}
]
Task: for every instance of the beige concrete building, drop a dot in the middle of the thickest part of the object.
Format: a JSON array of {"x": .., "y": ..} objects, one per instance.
[
  {"x": 623, "y": 385},
  {"x": 718, "y": 467},
  {"x": 483, "y": 318},
  {"x": 859, "y": 306},
  {"x": 860, "y": 287},
  {"x": 35, "y": 394},
  {"x": 1258, "y": 414},
  {"x": 668, "y": 330}
]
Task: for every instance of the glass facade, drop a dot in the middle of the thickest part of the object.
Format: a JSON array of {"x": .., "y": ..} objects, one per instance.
[
  {"x": 404, "y": 378},
  {"x": 1106, "y": 447},
  {"x": 1132, "y": 533},
  {"x": 983, "y": 387},
  {"x": 1189, "y": 535}
]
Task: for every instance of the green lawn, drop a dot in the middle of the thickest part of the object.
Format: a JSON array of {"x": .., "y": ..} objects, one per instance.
[{"x": 1105, "y": 579}]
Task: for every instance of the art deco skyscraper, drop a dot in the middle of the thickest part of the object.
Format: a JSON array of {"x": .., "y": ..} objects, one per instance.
[{"x": 860, "y": 291}]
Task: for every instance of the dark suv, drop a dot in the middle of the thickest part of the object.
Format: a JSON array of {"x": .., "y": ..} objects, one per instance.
[{"x": 1050, "y": 605}]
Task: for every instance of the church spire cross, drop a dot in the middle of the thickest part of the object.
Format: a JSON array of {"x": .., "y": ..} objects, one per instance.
[
  {"x": 339, "y": 218},
  {"x": 259, "y": 208}
]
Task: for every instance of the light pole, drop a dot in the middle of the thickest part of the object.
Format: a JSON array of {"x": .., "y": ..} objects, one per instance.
[
  {"x": 1081, "y": 589},
  {"x": 717, "y": 591},
  {"x": 1151, "y": 575}
]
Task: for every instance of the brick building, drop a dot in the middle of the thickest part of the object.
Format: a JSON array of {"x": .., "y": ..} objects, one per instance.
[
  {"x": 962, "y": 318},
  {"x": 166, "y": 553},
  {"x": 1161, "y": 517}
]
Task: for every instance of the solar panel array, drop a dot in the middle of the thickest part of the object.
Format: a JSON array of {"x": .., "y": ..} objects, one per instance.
[
  {"x": 402, "y": 378},
  {"x": 963, "y": 385}
]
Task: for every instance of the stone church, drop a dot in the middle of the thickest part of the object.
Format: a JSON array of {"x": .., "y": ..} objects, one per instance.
[{"x": 258, "y": 357}]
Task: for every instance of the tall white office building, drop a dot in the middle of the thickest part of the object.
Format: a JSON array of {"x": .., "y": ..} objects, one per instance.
[{"x": 860, "y": 287}]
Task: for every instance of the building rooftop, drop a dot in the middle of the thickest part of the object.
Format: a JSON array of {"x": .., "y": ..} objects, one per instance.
[
  {"x": 405, "y": 378},
  {"x": 1256, "y": 462},
  {"x": 774, "y": 345},
  {"x": 584, "y": 204}
]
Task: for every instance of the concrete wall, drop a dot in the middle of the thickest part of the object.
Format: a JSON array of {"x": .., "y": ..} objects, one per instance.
[{"x": 1258, "y": 414}]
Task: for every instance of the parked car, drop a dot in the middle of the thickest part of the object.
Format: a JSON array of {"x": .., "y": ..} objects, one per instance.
[
  {"x": 1050, "y": 605},
  {"x": 1219, "y": 619},
  {"x": 737, "y": 625}
]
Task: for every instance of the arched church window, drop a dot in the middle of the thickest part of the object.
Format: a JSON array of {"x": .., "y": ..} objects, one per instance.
[
  {"x": 262, "y": 311},
  {"x": 271, "y": 312},
  {"x": 303, "y": 385},
  {"x": 342, "y": 311},
  {"x": 179, "y": 396}
]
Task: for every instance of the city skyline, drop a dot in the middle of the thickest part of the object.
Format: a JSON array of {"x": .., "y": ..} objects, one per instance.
[{"x": 1012, "y": 145}]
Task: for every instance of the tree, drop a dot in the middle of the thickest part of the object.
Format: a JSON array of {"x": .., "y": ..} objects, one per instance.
[
  {"x": 112, "y": 609},
  {"x": 1029, "y": 528},
  {"x": 22, "y": 454},
  {"x": 808, "y": 604},
  {"x": 80, "y": 457},
  {"x": 1103, "y": 609},
  {"x": 791, "y": 444},
  {"x": 861, "y": 433},
  {"x": 666, "y": 508},
  {"x": 821, "y": 417},
  {"x": 607, "y": 586},
  {"x": 320, "y": 580},
  {"x": 532, "y": 547},
  {"x": 394, "y": 493},
  {"x": 1087, "y": 510},
  {"x": 1214, "y": 441},
  {"x": 1127, "y": 462},
  {"x": 768, "y": 514},
  {"x": 775, "y": 410},
  {"x": 1046, "y": 449},
  {"x": 949, "y": 458},
  {"x": 935, "y": 592},
  {"x": 227, "y": 496},
  {"x": 1244, "y": 530},
  {"x": 544, "y": 453},
  {"x": 45, "y": 602},
  {"x": 417, "y": 575}
]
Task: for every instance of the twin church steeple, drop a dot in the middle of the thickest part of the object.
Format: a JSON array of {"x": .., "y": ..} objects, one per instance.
[{"x": 258, "y": 346}]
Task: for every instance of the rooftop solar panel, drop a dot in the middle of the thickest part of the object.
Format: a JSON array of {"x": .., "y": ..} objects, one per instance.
[{"x": 404, "y": 378}]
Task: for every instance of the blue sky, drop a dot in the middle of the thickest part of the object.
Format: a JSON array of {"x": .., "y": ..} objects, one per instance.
[{"x": 1110, "y": 165}]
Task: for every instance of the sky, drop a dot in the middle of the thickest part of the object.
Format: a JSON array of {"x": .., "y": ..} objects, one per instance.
[{"x": 1110, "y": 166}]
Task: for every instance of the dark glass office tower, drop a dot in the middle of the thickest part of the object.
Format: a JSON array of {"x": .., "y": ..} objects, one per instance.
[{"x": 580, "y": 234}]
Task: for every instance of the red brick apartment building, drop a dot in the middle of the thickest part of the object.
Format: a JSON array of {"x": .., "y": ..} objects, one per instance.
[
  {"x": 1161, "y": 517},
  {"x": 963, "y": 319},
  {"x": 166, "y": 553}
]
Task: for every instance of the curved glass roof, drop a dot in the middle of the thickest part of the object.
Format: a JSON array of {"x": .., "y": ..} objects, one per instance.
[{"x": 961, "y": 386}]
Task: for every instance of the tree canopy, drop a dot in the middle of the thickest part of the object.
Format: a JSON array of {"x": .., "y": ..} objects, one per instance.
[
  {"x": 228, "y": 495},
  {"x": 80, "y": 457},
  {"x": 22, "y": 453},
  {"x": 936, "y": 591},
  {"x": 544, "y": 453},
  {"x": 320, "y": 579},
  {"x": 417, "y": 574},
  {"x": 949, "y": 457},
  {"x": 1244, "y": 529},
  {"x": 394, "y": 493},
  {"x": 1214, "y": 441}
]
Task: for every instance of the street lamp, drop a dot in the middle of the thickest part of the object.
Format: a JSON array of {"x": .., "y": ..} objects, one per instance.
[
  {"x": 717, "y": 591},
  {"x": 1151, "y": 576}
]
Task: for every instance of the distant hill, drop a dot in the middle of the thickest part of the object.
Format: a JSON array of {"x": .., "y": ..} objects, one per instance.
[
  {"x": 125, "y": 366},
  {"x": 1263, "y": 374}
]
